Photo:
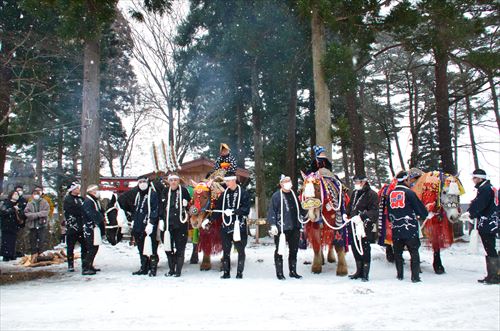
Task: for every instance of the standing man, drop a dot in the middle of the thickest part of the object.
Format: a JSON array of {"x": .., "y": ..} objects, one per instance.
[
  {"x": 174, "y": 224},
  {"x": 403, "y": 209},
  {"x": 363, "y": 207},
  {"x": 9, "y": 225},
  {"x": 284, "y": 216},
  {"x": 73, "y": 214},
  {"x": 484, "y": 208},
  {"x": 234, "y": 204},
  {"x": 37, "y": 212},
  {"x": 93, "y": 225},
  {"x": 145, "y": 221}
]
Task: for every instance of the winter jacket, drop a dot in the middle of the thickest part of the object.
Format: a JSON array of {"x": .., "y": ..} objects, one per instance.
[
  {"x": 290, "y": 214},
  {"x": 177, "y": 206},
  {"x": 37, "y": 213},
  {"x": 73, "y": 212},
  {"x": 142, "y": 211},
  {"x": 484, "y": 209},
  {"x": 403, "y": 207},
  {"x": 8, "y": 218},
  {"x": 240, "y": 211},
  {"x": 364, "y": 203},
  {"x": 93, "y": 215}
]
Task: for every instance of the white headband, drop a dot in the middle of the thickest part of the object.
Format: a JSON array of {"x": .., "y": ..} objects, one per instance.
[
  {"x": 92, "y": 188},
  {"x": 173, "y": 177},
  {"x": 73, "y": 187},
  {"x": 230, "y": 178},
  {"x": 283, "y": 177},
  {"x": 403, "y": 178},
  {"x": 479, "y": 176}
]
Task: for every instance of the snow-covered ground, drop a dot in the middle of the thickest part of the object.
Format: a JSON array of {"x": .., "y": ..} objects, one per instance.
[{"x": 115, "y": 300}]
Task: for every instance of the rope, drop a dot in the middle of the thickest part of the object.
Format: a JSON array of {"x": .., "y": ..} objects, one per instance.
[{"x": 224, "y": 206}]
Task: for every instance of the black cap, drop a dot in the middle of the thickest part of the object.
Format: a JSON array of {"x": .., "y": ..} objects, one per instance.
[{"x": 359, "y": 178}]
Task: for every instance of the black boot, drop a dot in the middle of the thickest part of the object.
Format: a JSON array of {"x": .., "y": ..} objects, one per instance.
[
  {"x": 278, "y": 263},
  {"x": 438, "y": 267},
  {"x": 415, "y": 270},
  {"x": 241, "y": 266},
  {"x": 389, "y": 253},
  {"x": 71, "y": 264},
  {"x": 144, "y": 267},
  {"x": 365, "y": 271},
  {"x": 179, "y": 264},
  {"x": 359, "y": 270},
  {"x": 491, "y": 270},
  {"x": 153, "y": 265},
  {"x": 225, "y": 267},
  {"x": 86, "y": 270},
  {"x": 171, "y": 264},
  {"x": 292, "y": 266},
  {"x": 399, "y": 268},
  {"x": 194, "y": 255}
]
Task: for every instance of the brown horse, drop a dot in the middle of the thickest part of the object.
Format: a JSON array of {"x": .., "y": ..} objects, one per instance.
[
  {"x": 204, "y": 197},
  {"x": 324, "y": 199}
]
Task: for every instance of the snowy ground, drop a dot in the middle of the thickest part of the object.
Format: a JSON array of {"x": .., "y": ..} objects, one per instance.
[{"x": 116, "y": 300}]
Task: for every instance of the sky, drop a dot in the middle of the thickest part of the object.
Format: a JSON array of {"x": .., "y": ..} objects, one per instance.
[{"x": 489, "y": 154}]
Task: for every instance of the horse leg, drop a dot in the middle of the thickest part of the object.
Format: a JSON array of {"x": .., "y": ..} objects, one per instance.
[
  {"x": 317, "y": 265},
  {"x": 342, "y": 265},
  {"x": 322, "y": 256},
  {"x": 316, "y": 244},
  {"x": 331, "y": 254},
  {"x": 205, "y": 263},
  {"x": 436, "y": 264}
]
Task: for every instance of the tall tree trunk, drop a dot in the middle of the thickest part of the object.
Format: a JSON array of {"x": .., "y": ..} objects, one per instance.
[
  {"x": 110, "y": 159},
  {"x": 393, "y": 122},
  {"x": 5, "y": 92},
  {"x": 90, "y": 114},
  {"x": 240, "y": 156},
  {"x": 323, "y": 119},
  {"x": 389, "y": 153},
  {"x": 291, "y": 147},
  {"x": 455, "y": 134},
  {"x": 377, "y": 167},
  {"x": 345, "y": 162},
  {"x": 74, "y": 163},
  {"x": 495, "y": 99},
  {"x": 471, "y": 131},
  {"x": 412, "y": 90},
  {"x": 260, "y": 187},
  {"x": 357, "y": 133},
  {"x": 443, "y": 116},
  {"x": 59, "y": 182},
  {"x": 39, "y": 161}
]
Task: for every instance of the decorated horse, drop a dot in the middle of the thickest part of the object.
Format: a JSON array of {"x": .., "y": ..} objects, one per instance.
[
  {"x": 115, "y": 220},
  {"x": 440, "y": 193},
  {"x": 324, "y": 198},
  {"x": 203, "y": 201}
]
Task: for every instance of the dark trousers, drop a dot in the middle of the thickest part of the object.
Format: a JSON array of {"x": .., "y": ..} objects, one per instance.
[
  {"x": 366, "y": 257},
  {"x": 227, "y": 241},
  {"x": 292, "y": 238},
  {"x": 139, "y": 238},
  {"x": 489, "y": 243},
  {"x": 178, "y": 239},
  {"x": 37, "y": 240},
  {"x": 413, "y": 245},
  {"x": 90, "y": 253},
  {"x": 72, "y": 237},
  {"x": 8, "y": 249}
]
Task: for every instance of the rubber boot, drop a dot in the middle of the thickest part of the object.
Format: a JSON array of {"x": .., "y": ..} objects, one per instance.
[
  {"x": 365, "y": 271},
  {"x": 436, "y": 264},
  {"x": 194, "y": 255},
  {"x": 292, "y": 266},
  {"x": 415, "y": 270},
  {"x": 492, "y": 271},
  {"x": 399, "y": 268},
  {"x": 153, "y": 265},
  {"x": 86, "y": 270},
  {"x": 71, "y": 264},
  {"x": 389, "y": 254},
  {"x": 225, "y": 268},
  {"x": 278, "y": 263},
  {"x": 143, "y": 270},
  {"x": 359, "y": 270},
  {"x": 179, "y": 264},
  {"x": 241, "y": 266},
  {"x": 171, "y": 264}
]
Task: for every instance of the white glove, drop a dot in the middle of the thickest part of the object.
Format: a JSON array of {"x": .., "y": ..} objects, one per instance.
[
  {"x": 205, "y": 223},
  {"x": 430, "y": 215},
  {"x": 274, "y": 230},
  {"x": 161, "y": 225},
  {"x": 345, "y": 218},
  {"x": 357, "y": 220},
  {"x": 466, "y": 217},
  {"x": 184, "y": 202},
  {"x": 229, "y": 212},
  {"x": 149, "y": 229}
]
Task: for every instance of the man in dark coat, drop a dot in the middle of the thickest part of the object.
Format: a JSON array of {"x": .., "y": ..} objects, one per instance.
[
  {"x": 10, "y": 222},
  {"x": 73, "y": 214},
  {"x": 234, "y": 204},
  {"x": 284, "y": 215},
  {"x": 363, "y": 206},
  {"x": 484, "y": 208},
  {"x": 93, "y": 225},
  {"x": 174, "y": 223},
  {"x": 404, "y": 208},
  {"x": 145, "y": 222}
]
